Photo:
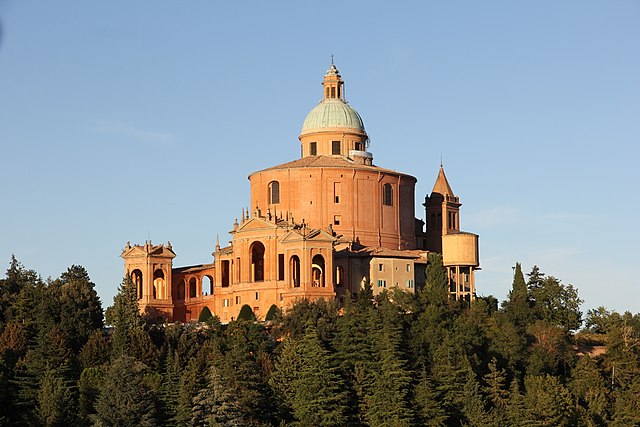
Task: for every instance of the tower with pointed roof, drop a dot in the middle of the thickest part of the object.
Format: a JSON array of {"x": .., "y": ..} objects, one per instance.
[{"x": 459, "y": 249}]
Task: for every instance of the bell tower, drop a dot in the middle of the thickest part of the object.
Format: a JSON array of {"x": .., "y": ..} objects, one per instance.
[
  {"x": 149, "y": 267},
  {"x": 459, "y": 249},
  {"x": 442, "y": 212}
]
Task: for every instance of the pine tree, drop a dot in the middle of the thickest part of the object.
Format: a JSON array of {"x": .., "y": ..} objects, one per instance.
[
  {"x": 125, "y": 398},
  {"x": 244, "y": 379},
  {"x": 216, "y": 404},
  {"x": 353, "y": 342},
  {"x": 388, "y": 401},
  {"x": 473, "y": 404},
  {"x": 80, "y": 307},
  {"x": 318, "y": 397},
  {"x": 89, "y": 386},
  {"x": 626, "y": 407},
  {"x": 56, "y": 406},
  {"x": 496, "y": 392},
  {"x": 589, "y": 391},
  {"x": 170, "y": 387},
  {"x": 96, "y": 351},
  {"x": 515, "y": 405},
  {"x": 429, "y": 410},
  {"x": 124, "y": 315},
  {"x": 191, "y": 382},
  {"x": 286, "y": 374},
  {"x": 547, "y": 402}
]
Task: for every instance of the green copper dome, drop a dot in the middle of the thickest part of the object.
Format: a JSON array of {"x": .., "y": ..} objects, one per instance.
[{"x": 332, "y": 113}]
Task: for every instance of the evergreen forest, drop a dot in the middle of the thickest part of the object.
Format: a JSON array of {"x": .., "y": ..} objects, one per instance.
[{"x": 394, "y": 359}]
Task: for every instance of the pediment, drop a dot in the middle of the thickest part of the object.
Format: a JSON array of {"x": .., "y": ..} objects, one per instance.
[
  {"x": 145, "y": 250},
  {"x": 256, "y": 224},
  {"x": 309, "y": 235}
]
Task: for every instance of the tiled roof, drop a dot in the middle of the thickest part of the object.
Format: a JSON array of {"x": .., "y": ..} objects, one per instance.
[
  {"x": 370, "y": 251},
  {"x": 192, "y": 268},
  {"x": 329, "y": 162}
]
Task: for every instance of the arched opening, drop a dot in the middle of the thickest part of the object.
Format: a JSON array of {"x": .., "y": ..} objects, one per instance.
[
  {"x": 179, "y": 290},
  {"x": 257, "y": 262},
  {"x": 274, "y": 192},
  {"x": 339, "y": 276},
  {"x": 295, "y": 271},
  {"x": 207, "y": 285},
  {"x": 158, "y": 284},
  {"x": 225, "y": 273},
  {"x": 317, "y": 271},
  {"x": 387, "y": 195},
  {"x": 136, "y": 278},
  {"x": 192, "y": 287}
]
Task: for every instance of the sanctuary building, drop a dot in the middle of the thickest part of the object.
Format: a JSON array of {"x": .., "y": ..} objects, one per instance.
[{"x": 320, "y": 227}]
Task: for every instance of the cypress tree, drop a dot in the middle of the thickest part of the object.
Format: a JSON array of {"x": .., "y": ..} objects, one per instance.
[
  {"x": 518, "y": 306},
  {"x": 246, "y": 314},
  {"x": 205, "y": 314},
  {"x": 273, "y": 313}
]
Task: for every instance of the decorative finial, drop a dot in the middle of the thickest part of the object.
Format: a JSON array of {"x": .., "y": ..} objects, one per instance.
[
  {"x": 440, "y": 160},
  {"x": 332, "y": 59}
]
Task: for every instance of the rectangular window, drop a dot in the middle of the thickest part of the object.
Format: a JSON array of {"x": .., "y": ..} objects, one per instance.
[
  {"x": 380, "y": 267},
  {"x": 336, "y": 219},
  {"x": 257, "y": 296},
  {"x": 280, "y": 266},
  {"x": 337, "y": 187},
  {"x": 313, "y": 148},
  {"x": 237, "y": 300},
  {"x": 408, "y": 267},
  {"x": 382, "y": 283},
  {"x": 335, "y": 148},
  {"x": 225, "y": 302},
  {"x": 410, "y": 283},
  {"x": 281, "y": 297}
]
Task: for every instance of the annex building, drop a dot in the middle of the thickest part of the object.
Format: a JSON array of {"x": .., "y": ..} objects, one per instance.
[{"x": 319, "y": 227}]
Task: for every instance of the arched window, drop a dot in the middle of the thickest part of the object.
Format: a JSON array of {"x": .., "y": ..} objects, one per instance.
[
  {"x": 339, "y": 276},
  {"x": 158, "y": 284},
  {"x": 274, "y": 192},
  {"x": 387, "y": 195},
  {"x": 192, "y": 287},
  {"x": 295, "y": 271},
  {"x": 225, "y": 273},
  {"x": 317, "y": 271},
  {"x": 257, "y": 262},
  {"x": 136, "y": 278},
  {"x": 207, "y": 285}
]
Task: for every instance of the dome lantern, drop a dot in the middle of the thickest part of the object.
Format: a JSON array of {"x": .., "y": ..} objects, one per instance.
[{"x": 332, "y": 127}]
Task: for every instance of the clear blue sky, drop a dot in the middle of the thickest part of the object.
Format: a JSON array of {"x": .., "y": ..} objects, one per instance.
[{"x": 125, "y": 120}]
